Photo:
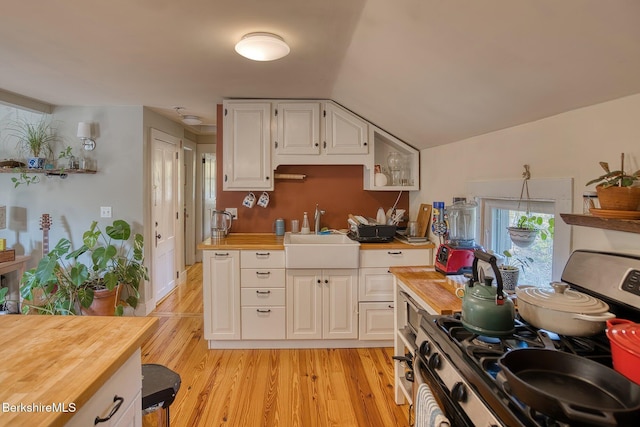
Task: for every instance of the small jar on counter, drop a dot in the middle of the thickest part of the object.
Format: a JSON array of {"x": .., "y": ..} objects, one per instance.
[{"x": 589, "y": 201}]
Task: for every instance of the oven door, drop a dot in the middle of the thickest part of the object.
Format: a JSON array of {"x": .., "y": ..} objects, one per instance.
[{"x": 426, "y": 414}]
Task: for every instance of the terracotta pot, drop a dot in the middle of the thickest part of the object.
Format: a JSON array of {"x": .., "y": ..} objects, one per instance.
[
  {"x": 104, "y": 302},
  {"x": 619, "y": 198}
]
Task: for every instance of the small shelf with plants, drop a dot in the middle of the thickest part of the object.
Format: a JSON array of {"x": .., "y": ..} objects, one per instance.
[{"x": 619, "y": 199}]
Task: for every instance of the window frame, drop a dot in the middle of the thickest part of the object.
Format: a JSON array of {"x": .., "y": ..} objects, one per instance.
[{"x": 557, "y": 190}]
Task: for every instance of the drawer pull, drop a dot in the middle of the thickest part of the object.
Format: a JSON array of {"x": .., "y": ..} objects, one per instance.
[
  {"x": 262, "y": 273},
  {"x": 118, "y": 403},
  {"x": 222, "y": 254},
  {"x": 263, "y": 254},
  {"x": 395, "y": 253},
  {"x": 263, "y": 311},
  {"x": 390, "y": 306},
  {"x": 263, "y": 292}
]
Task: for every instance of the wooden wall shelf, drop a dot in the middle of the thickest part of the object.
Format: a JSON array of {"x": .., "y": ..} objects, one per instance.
[
  {"x": 48, "y": 172},
  {"x": 628, "y": 225}
]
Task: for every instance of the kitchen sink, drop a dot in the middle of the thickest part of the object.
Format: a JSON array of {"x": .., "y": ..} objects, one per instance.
[{"x": 321, "y": 251}]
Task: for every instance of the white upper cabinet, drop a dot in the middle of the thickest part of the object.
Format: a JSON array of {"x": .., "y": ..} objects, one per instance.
[
  {"x": 298, "y": 128},
  {"x": 247, "y": 146},
  {"x": 345, "y": 133}
]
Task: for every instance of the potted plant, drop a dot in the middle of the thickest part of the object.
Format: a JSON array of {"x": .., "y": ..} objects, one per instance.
[
  {"x": 616, "y": 190},
  {"x": 528, "y": 227},
  {"x": 34, "y": 140},
  {"x": 510, "y": 270},
  {"x": 89, "y": 279}
]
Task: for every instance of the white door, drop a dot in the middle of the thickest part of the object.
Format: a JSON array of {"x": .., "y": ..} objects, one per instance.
[
  {"x": 163, "y": 212},
  {"x": 340, "y": 300},
  {"x": 189, "y": 206}
]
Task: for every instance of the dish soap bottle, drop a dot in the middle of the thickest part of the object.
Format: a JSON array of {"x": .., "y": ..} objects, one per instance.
[{"x": 305, "y": 225}]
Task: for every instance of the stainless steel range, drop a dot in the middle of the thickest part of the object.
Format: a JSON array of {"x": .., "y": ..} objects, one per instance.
[{"x": 470, "y": 379}]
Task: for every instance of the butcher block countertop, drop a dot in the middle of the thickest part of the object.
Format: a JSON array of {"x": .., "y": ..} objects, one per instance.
[
  {"x": 432, "y": 287},
  {"x": 271, "y": 241},
  {"x": 48, "y": 360}
]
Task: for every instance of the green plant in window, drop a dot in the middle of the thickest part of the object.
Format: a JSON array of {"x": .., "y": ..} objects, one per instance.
[
  {"x": 514, "y": 263},
  {"x": 545, "y": 229}
]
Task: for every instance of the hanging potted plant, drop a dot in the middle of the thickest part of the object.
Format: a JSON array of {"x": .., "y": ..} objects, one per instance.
[
  {"x": 524, "y": 232},
  {"x": 616, "y": 189},
  {"x": 34, "y": 140}
]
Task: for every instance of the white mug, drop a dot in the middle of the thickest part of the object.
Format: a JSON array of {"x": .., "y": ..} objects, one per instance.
[
  {"x": 264, "y": 199},
  {"x": 249, "y": 200}
]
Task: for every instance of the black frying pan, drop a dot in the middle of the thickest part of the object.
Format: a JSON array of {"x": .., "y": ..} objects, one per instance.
[{"x": 571, "y": 388}]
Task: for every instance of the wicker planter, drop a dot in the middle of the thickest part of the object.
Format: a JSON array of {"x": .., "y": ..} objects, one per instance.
[{"x": 619, "y": 198}]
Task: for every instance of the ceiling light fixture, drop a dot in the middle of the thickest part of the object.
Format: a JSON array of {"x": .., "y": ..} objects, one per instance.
[
  {"x": 262, "y": 47},
  {"x": 188, "y": 119},
  {"x": 191, "y": 120}
]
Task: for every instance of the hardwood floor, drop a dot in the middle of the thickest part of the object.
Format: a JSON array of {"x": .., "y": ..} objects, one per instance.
[{"x": 307, "y": 387}]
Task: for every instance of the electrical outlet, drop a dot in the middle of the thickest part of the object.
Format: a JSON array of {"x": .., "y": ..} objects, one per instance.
[
  {"x": 233, "y": 212},
  {"x": 105, "y": 212}
]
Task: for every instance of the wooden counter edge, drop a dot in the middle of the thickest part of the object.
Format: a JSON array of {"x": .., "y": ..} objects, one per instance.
[{"x": 129, "y": 346}]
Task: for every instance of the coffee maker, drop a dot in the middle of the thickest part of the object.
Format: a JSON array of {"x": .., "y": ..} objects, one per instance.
[{"x": 456, "y": 254}]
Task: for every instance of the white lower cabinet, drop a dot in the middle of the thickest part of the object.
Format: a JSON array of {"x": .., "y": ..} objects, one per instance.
[
  {"x": 221, "y": 294},
  {"x": 322, "y": 304},
  {"x": 120, "y": 397},
  {"x": 376, "y": 288},
  {"x": 262, "y": 295}
]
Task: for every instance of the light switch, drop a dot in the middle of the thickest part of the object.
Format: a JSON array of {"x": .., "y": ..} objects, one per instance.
[{"x": 105, "y": 212}]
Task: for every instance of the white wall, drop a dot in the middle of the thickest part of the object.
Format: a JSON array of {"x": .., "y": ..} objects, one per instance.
[
  {"x": 563, "y": 146},
  {"x": 122, "y": 180}
]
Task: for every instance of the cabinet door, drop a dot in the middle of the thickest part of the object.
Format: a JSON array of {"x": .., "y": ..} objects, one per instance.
[
  {"x": 304, "y": 304},
  {"x": 340, "y": 304},
  {"x": 345, "y": 133},
  {"x": 376, "y": 321},
  {"x": 298, "y": 127},
  {"x": 246, "y": 146},
  {"x": 375, "y": 284},
  {"x": 221, "y": 293}
]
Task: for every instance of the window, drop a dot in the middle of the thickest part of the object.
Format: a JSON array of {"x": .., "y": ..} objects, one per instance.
[
  {"x": 552, "y": 196},
  {"x": 537, "y": 258}
]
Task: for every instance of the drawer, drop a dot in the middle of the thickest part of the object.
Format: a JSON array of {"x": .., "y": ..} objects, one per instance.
[
  {"x": 375, "y": 284},
  {"x": 125, "y": 383},
  {"x": 376, "y": 321},
  {"x": 262, "y": 277},
  {"x": 394, "y": 257},
  {"x": 262, "y": 296},
  {"x": 262, "y": 259},
  {"x": 263, "y": 323}
]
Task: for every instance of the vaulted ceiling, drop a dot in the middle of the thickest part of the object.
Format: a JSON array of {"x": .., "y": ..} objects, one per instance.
[{"x": 428, "y": 71}]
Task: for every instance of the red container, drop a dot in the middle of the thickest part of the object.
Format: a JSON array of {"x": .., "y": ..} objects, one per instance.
[{"x": 624, "y": 336}]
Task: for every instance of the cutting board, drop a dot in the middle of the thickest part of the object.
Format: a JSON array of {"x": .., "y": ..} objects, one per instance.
[{"x": 424, "y": 217}]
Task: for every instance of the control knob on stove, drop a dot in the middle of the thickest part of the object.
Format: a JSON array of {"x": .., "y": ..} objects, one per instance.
[
  {"x": 425, "y": 348},
  {"x": 434, "y": 361},
  {"x": 459, "y": 392}
]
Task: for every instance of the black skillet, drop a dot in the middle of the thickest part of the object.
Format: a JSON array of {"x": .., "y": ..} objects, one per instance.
[{"x": 571, "y": 388}]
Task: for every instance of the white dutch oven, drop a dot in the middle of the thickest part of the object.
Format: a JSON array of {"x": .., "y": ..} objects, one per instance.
[{"x": 561, "y": 310}]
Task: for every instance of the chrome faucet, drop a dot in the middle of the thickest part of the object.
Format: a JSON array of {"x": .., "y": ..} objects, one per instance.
[{"x": 316, "y": 218}]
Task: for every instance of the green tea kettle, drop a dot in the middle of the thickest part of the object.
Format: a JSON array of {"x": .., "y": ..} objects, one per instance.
[{"x": 486, "y": 310}]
